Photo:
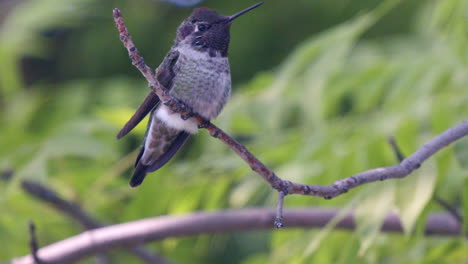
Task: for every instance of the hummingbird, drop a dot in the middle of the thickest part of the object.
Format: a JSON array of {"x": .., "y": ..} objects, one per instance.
[{"x": 195, "y": 72}]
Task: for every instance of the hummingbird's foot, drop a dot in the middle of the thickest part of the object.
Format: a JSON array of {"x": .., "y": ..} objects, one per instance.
[
  {"x": 178, "y": 106},
  {"x": 187, "y": 116},
  {"x": 204, "y": 124}
]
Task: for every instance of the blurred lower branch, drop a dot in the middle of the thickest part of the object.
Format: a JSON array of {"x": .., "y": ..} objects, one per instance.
[
  {"x": 75, "y": 212},
  {"x": 406, "y": 167},
  {"x": 163, "y": 227}
]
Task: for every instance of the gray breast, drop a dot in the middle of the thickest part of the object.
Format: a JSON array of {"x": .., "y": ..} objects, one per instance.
[{"x": 202, "y": 82}]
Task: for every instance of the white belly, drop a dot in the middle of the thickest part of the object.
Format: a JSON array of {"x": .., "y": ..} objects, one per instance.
[{"x": 174, "y": 120}]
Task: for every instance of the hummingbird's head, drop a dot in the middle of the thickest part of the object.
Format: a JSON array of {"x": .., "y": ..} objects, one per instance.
[{"x": 206, "y": 30}]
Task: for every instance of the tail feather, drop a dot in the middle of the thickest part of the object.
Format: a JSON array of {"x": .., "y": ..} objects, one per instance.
[
  {"x": 173, "y": 149},
  {"x": 150, "y": 102},
  {"x": 141, "y": 169},
  {"x": 138, "y": 175}
]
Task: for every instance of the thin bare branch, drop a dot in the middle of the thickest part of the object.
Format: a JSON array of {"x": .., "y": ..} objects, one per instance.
[
  {"x": 401, "y": 170},
  {"x": 398, "y": 154},
  {"x": 279, "y": 211},
  {"x": 163, "y": 227},
  {"x": 75, "y": 212}
]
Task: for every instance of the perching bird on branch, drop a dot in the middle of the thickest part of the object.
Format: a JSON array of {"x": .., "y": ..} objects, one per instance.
[{"x": 195, "y": 72}]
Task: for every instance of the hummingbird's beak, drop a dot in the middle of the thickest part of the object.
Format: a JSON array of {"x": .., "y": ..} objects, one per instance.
[{"x": 238, "y": 14}]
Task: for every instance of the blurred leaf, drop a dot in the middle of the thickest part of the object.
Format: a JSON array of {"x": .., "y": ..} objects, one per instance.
[
  {"x": 118, "y": 117},
  {"x": 322, "y": 234},
  {"x": 413, "y": 194},
  {"x": 256, "y": 259},
  {"x": 371, "y": 212},
  {"x": 243, "y": 192}
]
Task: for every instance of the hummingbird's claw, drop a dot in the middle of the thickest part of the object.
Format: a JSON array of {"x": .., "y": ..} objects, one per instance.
[
  {"x": 205, "y": 124},
  {"x": 178, "y": 106},
  {"x": 187, "y": 116}
]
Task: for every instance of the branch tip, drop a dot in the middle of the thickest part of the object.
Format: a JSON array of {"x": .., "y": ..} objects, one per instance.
[
  {"x": 278, "y": 223},
  {"x": 116, "y": 12}
]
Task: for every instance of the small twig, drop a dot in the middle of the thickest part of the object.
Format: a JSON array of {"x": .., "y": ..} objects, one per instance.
[
  {"x": 400, "y": 156},
  {"x": 75, "y": 212},
  {"x": 33, "y": 243},
  {"x": 163, "y": 227},
  {"x": 401, "y": 170},
  {"x": 279, "y": 211}
]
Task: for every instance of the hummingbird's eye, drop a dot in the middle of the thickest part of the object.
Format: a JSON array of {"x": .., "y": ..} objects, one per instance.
[{"x": 203, "y": 27}]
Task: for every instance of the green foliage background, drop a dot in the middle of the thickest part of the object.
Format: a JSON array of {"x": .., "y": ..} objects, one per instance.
[{"x": 318, "y": 86}]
